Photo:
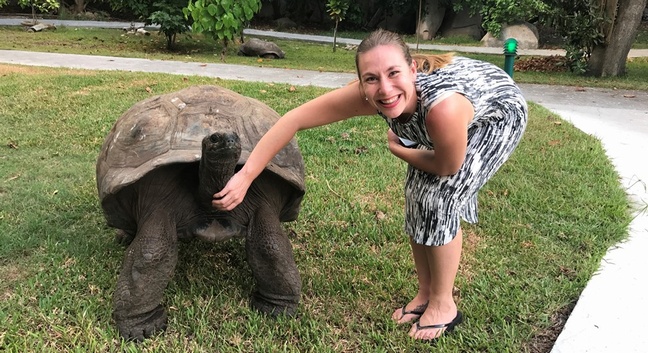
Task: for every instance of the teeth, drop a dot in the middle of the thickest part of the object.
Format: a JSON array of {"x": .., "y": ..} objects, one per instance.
[{"x": 390, "y": 101}]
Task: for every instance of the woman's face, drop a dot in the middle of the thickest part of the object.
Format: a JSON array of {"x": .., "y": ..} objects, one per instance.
[{"x": 388, "y": 80}]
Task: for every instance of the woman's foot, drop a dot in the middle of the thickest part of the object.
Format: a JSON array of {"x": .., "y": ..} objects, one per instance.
[
  {"x": 409, "y": 312},
  {"x": 431, "y": 327}
]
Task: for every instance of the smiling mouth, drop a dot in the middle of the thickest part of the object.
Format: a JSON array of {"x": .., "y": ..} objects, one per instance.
[{"x": 390, "y": 101}]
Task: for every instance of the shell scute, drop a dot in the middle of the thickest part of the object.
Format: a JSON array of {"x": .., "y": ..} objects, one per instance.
[{"x": 169, "y": 129}]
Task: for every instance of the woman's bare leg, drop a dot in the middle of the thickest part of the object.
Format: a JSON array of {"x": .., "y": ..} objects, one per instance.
[
  {"x": 419, "y": 303},
  {"x": 443, "y": 264}
]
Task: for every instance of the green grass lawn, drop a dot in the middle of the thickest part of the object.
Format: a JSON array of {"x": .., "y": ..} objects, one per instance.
[{"x": 524, "y": 265}]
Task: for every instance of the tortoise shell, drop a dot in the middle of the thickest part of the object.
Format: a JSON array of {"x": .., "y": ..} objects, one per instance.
[
  {"x": 169, "y": 128},
  {"x": 261, "y": 48}
]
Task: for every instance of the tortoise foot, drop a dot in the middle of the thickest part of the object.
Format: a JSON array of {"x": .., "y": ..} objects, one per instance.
[
  {"x": 123, "y": 237},
  {"x": 274, "y": 307},
  {"x": 143, "y": 326}
]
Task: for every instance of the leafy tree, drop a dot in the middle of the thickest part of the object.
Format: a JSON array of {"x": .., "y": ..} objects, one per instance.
[
  {"x": 598, "y": 33},
  {"x": 337, "y": 9},
  {"x": 578, "y": 22},
  {"x": 169, "y": 16},
  {"x": 139, "y": 8},
  {"x": 40, "y": 5},
  {"x": 496, "y": 13},
  {"x": 222, "y": 19},
  {"x": 610, "y": 56},
  {"x": 165, "y": 13}
]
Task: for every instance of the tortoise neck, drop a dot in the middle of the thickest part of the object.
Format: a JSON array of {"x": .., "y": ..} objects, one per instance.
[{"x": 213, "y": 175}]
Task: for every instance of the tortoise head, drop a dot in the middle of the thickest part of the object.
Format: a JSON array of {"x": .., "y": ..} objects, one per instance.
[{"x": 221, "y": 147}]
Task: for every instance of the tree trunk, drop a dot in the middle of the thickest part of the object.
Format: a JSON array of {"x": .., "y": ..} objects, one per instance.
[
  {"x": 79, "y": 6},
  {"x": 609, "y": 58},
  {"x": 609, "y": 9},
  {"x": 378, "y": 16},
  {"x": 337, "y": 21}
]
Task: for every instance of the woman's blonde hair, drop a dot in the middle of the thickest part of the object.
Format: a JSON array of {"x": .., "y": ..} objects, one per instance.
[{"x": 426, "y": 63}]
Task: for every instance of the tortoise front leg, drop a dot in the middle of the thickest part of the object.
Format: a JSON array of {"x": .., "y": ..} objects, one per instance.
[
  {"x": 148, "y": 267},
  {"x": 270, "y": 255}
]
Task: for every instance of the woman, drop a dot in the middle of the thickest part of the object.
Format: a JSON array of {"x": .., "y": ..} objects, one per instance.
[{"x": 453, "y": 120}]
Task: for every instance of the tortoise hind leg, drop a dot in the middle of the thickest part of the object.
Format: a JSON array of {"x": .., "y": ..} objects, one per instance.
[
  {"x": 148, "y": 267},
  {"x": 270, "y": 255}
]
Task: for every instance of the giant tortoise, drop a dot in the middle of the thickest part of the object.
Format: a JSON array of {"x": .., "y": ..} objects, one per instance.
[
  {"x": 157, "y": 171},
  {"x": 261, "y": 48}
]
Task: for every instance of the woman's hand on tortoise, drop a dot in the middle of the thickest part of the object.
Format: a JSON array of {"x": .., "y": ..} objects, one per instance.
[{"x": 232, "y": 194}]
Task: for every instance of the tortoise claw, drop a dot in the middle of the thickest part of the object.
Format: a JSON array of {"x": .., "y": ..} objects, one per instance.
[{"x": 137, "y": 329}]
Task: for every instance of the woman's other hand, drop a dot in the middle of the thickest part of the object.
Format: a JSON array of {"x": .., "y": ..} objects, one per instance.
[{"x": 393, "y": 141}]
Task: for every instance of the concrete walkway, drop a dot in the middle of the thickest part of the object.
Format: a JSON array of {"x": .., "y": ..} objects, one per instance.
[
  {"x": 609, "y": 316},
  {"x": 13, "y": 21}
]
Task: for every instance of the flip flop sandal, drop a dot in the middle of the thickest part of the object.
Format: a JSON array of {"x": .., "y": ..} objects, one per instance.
[
  {"x": 449, "y": 327},
  {"x": 418, "y": 311}
]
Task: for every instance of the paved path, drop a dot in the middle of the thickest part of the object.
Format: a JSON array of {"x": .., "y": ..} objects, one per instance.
[
  {"x": 609, "y": 316},
  {"x": 13, "y": 21}
]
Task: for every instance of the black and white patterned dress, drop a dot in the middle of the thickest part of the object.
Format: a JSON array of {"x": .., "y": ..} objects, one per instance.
[{"x": 434, "y": 204}]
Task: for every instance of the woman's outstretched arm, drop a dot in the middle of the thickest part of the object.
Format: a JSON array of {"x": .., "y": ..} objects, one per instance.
[{"x": 339, "y": 104}]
